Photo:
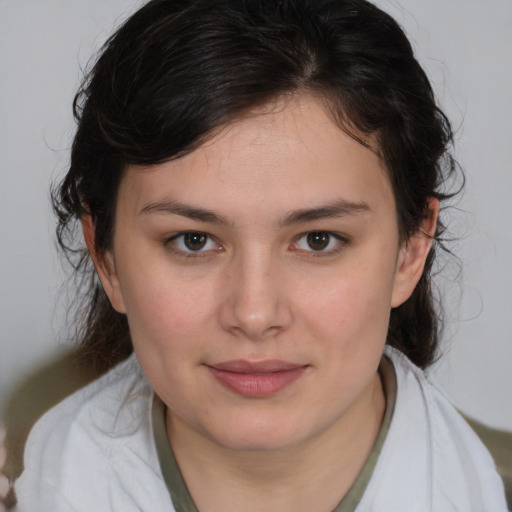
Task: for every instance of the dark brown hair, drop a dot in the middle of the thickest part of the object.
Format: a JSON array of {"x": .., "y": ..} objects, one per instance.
[{"x": 178, "y": 69}]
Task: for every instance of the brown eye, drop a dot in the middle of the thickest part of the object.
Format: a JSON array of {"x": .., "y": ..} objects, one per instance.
[
  {"x": 195, "y": 241},
  {"x": 320, "y": 243},
  {"x": 318, "y": 240},
  {"x": 192, "y": 244}
]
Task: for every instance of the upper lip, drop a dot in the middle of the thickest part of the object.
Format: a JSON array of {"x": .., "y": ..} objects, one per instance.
[{"x": 254, "y": 367}]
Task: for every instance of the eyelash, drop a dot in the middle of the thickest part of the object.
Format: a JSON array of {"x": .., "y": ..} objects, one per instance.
[
  {"x": 341, "y": 242},
  {"x": 170, "y": 244}
]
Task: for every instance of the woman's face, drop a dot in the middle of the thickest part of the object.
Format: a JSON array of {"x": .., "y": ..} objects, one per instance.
[{"x": 258, "y": 273}]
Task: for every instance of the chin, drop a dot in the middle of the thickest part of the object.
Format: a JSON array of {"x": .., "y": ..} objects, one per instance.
[{"x": 258, "y": 436}]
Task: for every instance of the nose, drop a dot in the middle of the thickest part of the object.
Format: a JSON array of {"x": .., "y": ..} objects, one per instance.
[{"x": 255, "y": 304}]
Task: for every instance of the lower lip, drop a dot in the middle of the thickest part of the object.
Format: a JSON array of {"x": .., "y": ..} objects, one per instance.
[{"x": 257, "y": 384}]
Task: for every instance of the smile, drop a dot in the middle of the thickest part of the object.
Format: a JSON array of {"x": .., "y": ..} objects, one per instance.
[{"x": 256, "y": 380}]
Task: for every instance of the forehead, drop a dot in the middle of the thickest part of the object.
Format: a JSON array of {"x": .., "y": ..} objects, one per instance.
[{"x": 286, "y": 155}]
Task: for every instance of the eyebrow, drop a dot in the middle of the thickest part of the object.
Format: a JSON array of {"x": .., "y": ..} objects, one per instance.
[
  {"x": 184, "y": 210},
  {"x": 340, "y": 208},
  {"x": 336, "y": 209}
]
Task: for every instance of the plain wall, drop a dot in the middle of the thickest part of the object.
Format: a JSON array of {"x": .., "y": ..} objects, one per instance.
[{"x": 466, "y": 48}]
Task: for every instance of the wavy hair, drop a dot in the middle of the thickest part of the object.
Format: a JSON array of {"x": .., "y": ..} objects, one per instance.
[{"x": 178, "y": 69}]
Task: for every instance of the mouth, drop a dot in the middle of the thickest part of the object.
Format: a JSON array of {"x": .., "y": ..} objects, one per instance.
[{"x": 258, "y": 379}]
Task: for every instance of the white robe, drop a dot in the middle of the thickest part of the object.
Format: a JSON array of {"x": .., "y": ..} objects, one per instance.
[{"x": 95, "y": 451}]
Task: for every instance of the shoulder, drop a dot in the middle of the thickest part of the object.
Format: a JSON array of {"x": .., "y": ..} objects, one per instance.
[
  {"x": 98, "y": 408},
  {"x": 431, "y": 458},
  {"x": 79, "y": 450}
]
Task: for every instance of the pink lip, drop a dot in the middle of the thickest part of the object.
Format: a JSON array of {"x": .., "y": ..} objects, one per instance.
[{"x": 256, "y": 379}]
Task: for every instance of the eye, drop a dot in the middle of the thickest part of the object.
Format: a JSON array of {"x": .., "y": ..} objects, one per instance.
[
  {"x": 193, "y": 242},
  {"x": 319, "y": 241}
]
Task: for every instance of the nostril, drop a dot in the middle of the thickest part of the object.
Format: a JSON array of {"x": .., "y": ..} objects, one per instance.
[
  {"x": 254, "y": 303},
  {"x": 255, "y": 321}
]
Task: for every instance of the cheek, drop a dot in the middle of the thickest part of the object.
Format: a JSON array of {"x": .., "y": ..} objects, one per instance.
[
  {"x": 167, "y": 328},
  {"x": 351, "y": 320},
  {"x": 351, "y": 307},
  {"x": 164, "y": 312}
]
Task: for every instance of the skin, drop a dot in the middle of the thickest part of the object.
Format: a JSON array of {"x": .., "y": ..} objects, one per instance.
[{"x": 257, "y": 292}]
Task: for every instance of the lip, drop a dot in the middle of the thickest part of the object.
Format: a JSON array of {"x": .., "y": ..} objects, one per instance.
[{"x": 256, "y": 379}]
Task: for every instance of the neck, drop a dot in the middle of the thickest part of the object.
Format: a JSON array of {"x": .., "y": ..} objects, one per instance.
[{"x": 314, "y": 475}]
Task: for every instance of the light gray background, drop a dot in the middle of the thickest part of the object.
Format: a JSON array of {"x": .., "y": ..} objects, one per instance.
[{"x": 466, "y": 47}]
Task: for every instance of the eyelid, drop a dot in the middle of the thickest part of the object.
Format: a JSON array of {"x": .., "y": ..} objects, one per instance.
[
  {"x": 170, "y": 245},
  {"x": 341, "y": 239}
]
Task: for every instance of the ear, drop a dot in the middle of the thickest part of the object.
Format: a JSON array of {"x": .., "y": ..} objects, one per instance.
[
  {"x": 412, "y": 256},
  {"x": 104, "y": 264}
]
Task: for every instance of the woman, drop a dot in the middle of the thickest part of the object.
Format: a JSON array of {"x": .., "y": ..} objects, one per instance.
[{"x": 258, "y": 183}]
